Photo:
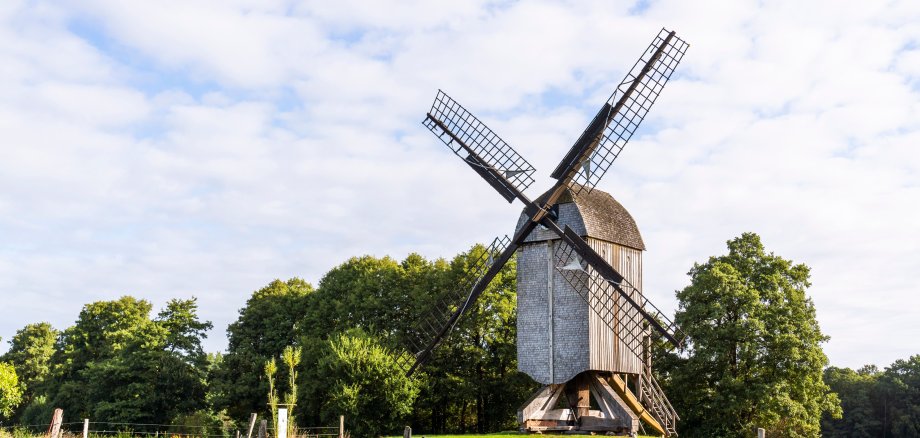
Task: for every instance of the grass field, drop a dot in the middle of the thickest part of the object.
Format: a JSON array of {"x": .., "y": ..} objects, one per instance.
[{"x": 421, "y": 435}]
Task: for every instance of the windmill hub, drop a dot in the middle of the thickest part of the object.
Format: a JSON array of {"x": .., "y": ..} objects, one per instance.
[{"x": 584, "y": 327}]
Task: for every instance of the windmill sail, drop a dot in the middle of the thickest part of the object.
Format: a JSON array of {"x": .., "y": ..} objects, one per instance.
[
  {"x": 617, "y": 302},
  {"x": 604, "y": 138},
  {"x": 432, "y": 326},
  {"x": 470, "y": 139}
]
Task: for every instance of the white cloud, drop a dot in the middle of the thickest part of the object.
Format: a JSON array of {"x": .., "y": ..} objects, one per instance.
[{"x": 171, "y": 149}]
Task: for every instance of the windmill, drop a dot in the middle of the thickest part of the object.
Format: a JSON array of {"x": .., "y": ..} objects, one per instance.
[{"x": 604, "y": 322}]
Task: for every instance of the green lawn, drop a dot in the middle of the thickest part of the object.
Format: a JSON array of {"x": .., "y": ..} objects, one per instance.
[{"x": 420, "y": 435}]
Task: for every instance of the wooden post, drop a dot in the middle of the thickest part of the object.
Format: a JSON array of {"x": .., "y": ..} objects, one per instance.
[
  {"x": 578, "y": 393},
  {"x": 86, "y": 428},
  {"x": 282, "y": 423},
  {"x": 237, "y": 433},
  {"x": 761, "y": 433},
  {"x": 54, "y": 431},
  {"x": 407, "y": 432},
  {"x": 252, "y": 424},
  {"x": 263, "y": 428},
  {"x": 341, "y": 426}
]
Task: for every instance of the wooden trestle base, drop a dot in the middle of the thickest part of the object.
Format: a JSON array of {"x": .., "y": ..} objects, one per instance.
[{"x": 566, "y": 407}]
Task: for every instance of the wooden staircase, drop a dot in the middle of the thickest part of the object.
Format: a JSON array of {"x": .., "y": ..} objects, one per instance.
[{"x": 652, "y": 398}]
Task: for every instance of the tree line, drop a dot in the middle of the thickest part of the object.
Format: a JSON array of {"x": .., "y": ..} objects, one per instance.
[{"x": 753, "y": 357}]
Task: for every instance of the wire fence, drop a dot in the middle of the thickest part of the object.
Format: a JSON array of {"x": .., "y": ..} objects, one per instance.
[{"x": 153, "y": 430}]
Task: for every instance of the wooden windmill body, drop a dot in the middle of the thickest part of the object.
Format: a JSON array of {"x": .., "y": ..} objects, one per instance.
[
  {"x": 563, "y": 343},
  {"x": 558, "y": 334},
  {"x": 584, "y": 326}
]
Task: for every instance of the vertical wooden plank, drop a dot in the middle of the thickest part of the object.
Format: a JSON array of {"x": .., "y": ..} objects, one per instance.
[
  {"x": 608, "y": 352},
  {"x": 252, "y": 424},
  {"x": 263, "y": 429},
  {"x": 86, "y": 428},
  {"x": 342, "y": 427}
]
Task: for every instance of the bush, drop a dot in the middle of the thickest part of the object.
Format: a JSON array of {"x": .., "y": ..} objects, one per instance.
[
  {"x": 365, "y": 384},
  {"x": 10, "y": 390}
]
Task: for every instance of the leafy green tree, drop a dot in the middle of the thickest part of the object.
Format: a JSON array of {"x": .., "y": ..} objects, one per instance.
[
  {"x": 10, "y": 389},
  {"x": 378, "y": 296},
  {"x": 265, "y": 326},
  {"x": 365, "y": 384},
  {"x": 118, "y": 364},
  {"x": 858, "y": 392},
  {"x": 37, "y": 412},
  {"x": 899, "y": 398},
  {"x": 102, "y": 330},
  {"x": 364, "y": 292},
  {"x": 30, "y": 353},
  {"x": 754, "y": 356},
  {"x": 876, "y": 403},
  {"x": 159, "y": 375},
  {"x": 471, "y": 383}
]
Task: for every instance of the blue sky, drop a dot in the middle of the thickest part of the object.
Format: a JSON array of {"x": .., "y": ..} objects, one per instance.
[{"x": 190, "y": 148}]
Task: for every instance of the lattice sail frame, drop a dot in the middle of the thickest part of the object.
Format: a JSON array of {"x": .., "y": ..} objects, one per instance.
[
  {"x": 621, "y": 124},
  {"x": 614, "y": 308},
  {"x": 431, "y": 325},
  {"x": 457, "y": 127}
]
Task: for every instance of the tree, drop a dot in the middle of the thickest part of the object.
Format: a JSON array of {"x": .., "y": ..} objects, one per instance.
[
  {"x": 30, "y": 354},
  {"x": 10, "y": 390},
  {"x": 118, "y": 364},
  {"x": 899, "y": 387},
  {"x": 859, "y": 398},
  {"x": 265, "y": 326},
  {"x": 159, "y": 375},
  {"x": 378, "y": 296},
  {"x": 102, "y": 330},
  {"x": 876, "y": 403},
  {"x": 364, "y": 292},
  {"x": 754, "y": 356},
  {"x": 470, "y": 383},
  {"x": 364, "y": 382}
]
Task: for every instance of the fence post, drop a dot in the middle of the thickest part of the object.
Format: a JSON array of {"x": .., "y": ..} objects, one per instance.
[
  {"x": 252, "y": 424},
  {"x": 86, "y": 428},
  {"x": 54, "y": 431},
  {"x": 407, "y": 432},
  {"x": 341, "y": 426},
  {"x": 263, "y": 428},
  {"x": 237, "y": 433},
  {"x": 761, "y": 433},
  {"x": 282, "y": 423}
]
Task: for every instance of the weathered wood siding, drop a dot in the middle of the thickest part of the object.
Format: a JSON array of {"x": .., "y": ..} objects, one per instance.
[{"x": 607, "y": 351}]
